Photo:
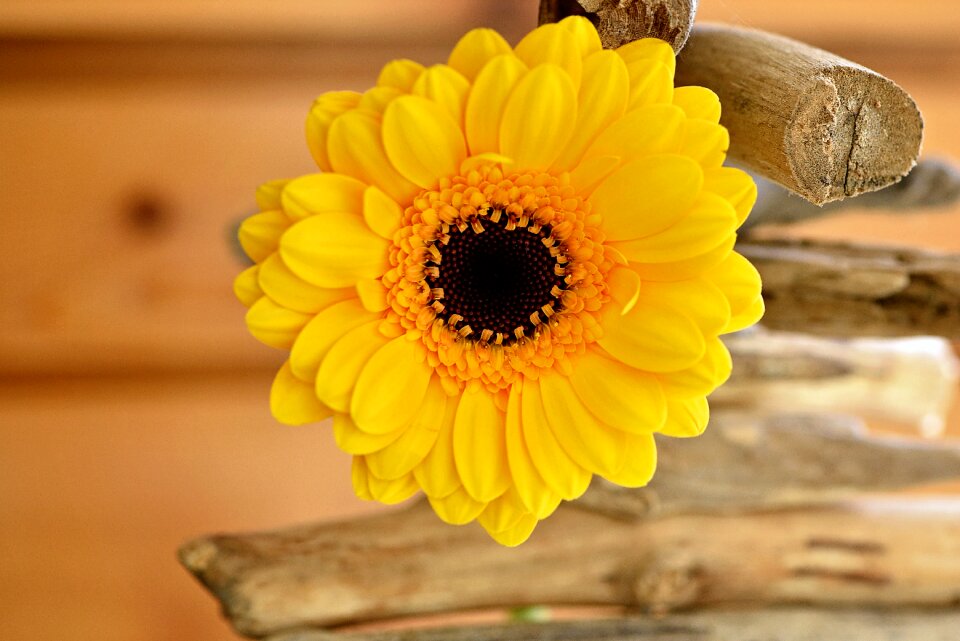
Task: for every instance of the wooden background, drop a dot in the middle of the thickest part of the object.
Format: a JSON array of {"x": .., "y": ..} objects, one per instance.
[{"x": 133, "y": 403}]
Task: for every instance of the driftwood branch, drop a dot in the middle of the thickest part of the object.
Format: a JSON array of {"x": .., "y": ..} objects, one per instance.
[
  {"x": 932, "y": 183},
  {"x": 821, "y": 126},
  {"x": 748, "y": 463},
  {"x": 621, "y": 21},
  {"x": 850, "y": 290},
  {"x": 397, "y": 564},
  {"x": 783, "y": 624},
  {"x": 907, "y": 383}
]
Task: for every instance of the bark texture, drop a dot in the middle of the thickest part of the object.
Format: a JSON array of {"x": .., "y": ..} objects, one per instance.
[
  {"x": 821, "y": 126},
  {"x": 621, "y": 21}
]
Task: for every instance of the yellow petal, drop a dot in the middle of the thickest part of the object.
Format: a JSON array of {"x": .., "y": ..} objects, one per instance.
[
  {"x": 422, "y": 141},
  {"x": 334, "y": 250},
  {"x": 623, "y": 284},
  {"x": 687, "y": 268},
  {"x": 651, "y": 83},
  {"x": 401, "y": 74},
  {"x": 245, "y": 286},
  {"x": 584, "y": 33},
  {"x": 734, "y": 186},
  {"x": 699, "y": 299},
  {"x": 602, "y": 100},
  {"x": 538, "y": 497},
  {"x": 372, "y": 294},
  {"x": 404, "y": 454},
  {"x": 653, "y": 336},
  {"x": 555, "y": 45},
  {"x": 567, "y": 479},
  {"x": 322, "y": 113},
  {"x": 393, "y": 491},
  {"x": 487, "y": 99},
  {"x": 538, "y": 118},
  {"x": 359, "y": 475},
  {"x": 640, "y": 463},
  {"x": 390, "y": 387},
  {"x": 456, "y": 508},
  {"x": 711, "y": 220},
  {"x": 475, "y": 49},
  {"x": 322, "y": 332},
  {"x": 268, "y": 194},
  {"x": 445, "y": 87},
  {"x": 706, "y": 142},
  {"x": 702, "y": 378},
  {"x": 738, "y": 279},
  {"x": 290, "y": 291},
  {"x": 260, "y": 234},
  {"x": 747, "y": 317},
  {"x": 356, "y": 149},
  {"x": 437, "y": 473},
  {"x": 698, "y": 102},
  {"x": 503, "y": 513},
  {"x": 292, "y": 402},
  {"x": 686, "y": 417},
  {"x": 343, "y": 361},
  {"x": 322, "y": 193},
  {"x": 654, "y": 129},
  {"x": 517, "y": 534},
  {"x": 381, "y": 212},
  {"x": 352, "y": 440},
  {"x": 480, "y": 446},
  {"x": 618, "y": 394},
  {"x": 376, "y": 100},
  {"x": 650, "y": 49},
  {"x": 274, "y": 325},
  {"x": 647, "y": 196},
  {"x": 589, "y": 442},
  {"x": 590, "y": 173}
]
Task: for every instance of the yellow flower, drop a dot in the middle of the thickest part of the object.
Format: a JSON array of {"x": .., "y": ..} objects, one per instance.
[{"x": 510, "y": 273}]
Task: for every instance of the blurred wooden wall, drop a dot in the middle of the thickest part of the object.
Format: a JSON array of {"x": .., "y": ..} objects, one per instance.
[{"x": 133, "y": 406}]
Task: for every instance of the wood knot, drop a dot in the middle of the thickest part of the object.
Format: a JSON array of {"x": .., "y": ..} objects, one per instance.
[{"x": 671, "y": 581}]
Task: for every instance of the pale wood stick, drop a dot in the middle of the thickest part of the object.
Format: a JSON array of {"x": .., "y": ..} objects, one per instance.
[
  {"x": 780, "y": 624},
  {"x": 852, "y": 290},
  {"x": 932, "y": 183},
  {"x": 621, "y": 21},
  {"x": 748, "y": 462},
  {"x": 396, "y": 564},
  {"x": 821, "y": 126},
  {"x": 910, "y": 383}
]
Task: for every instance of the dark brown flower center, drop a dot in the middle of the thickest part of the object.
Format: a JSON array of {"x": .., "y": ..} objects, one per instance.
[{"x": 489, "y": 277}]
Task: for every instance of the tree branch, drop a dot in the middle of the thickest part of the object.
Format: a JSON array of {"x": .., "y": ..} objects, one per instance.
[{"x": 621, "y": 21}]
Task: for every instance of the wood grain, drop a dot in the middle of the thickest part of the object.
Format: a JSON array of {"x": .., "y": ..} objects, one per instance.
[{"x": 621, "y": 21}]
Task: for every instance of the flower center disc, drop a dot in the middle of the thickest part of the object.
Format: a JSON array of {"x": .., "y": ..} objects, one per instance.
[{"x": 497, "y": 278}]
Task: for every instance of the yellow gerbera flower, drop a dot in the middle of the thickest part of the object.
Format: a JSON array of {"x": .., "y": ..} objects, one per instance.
[{"x": 510, "y": 273}]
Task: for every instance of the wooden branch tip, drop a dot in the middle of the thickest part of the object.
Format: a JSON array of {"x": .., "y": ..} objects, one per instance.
[
  {"x": 821, "y": 126},
  {"x": 621, "y": 21}
]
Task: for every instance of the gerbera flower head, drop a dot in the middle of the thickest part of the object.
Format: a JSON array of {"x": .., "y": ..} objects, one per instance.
[{"x": 511, "y": 271}]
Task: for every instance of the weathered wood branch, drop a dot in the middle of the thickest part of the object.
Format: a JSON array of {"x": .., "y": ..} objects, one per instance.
[
  {"x": 621, "y": 21},
  {"x": 782, "y": 624},
  {"x": 909, "y": 383},
  {"x": 396, "y": 564},
  {"x": 932, "y": 183},
  {"x": 821, "y": 126},
  {"x": 851, "y": 290},
  {"x": 745, "y": 462}
]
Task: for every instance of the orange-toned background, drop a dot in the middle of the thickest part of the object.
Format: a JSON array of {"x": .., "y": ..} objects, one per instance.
[{"x": 133, "y": 404}]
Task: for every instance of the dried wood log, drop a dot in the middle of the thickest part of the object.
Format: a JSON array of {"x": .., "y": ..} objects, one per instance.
[
  {"x": 852, "y": 290},
  {"x": 932, "y": 183},
  {"x": 782, "y": 624},
  {"x": 821, "y": 126},
  {"x": 908, "y": 382},
  {"x": 396, "y": 564},
  {"x": 745, "y": 462},
  {"x": 621, "y": 21}
]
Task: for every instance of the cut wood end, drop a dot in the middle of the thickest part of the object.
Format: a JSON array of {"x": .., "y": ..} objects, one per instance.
[
  {"x": 854, "y": 131},
  {"x": 621, "y": 21}
]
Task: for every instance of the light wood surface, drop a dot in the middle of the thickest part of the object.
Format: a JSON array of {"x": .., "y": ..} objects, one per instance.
[{"x": 132, "y": 401}]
